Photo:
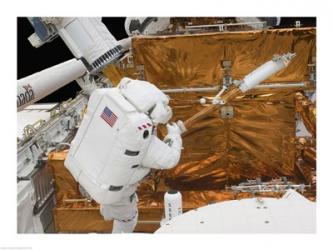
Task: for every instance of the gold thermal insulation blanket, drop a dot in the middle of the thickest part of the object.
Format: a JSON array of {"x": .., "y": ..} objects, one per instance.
[
  {"x": 307, "y": 111},
  {"x": 72, "y": 213},
  {"x": 75, "y": 214},
  {"x": 256, "y": 140},
  {"x": 194, "y": 60}
]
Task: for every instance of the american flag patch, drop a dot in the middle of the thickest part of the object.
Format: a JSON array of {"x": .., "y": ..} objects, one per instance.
[{"x": 109, "y": 116}]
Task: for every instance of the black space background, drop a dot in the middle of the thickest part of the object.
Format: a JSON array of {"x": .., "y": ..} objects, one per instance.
[{"x": 31, "y": 60}]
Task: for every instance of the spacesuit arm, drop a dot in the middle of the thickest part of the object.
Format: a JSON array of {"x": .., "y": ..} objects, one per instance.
[{"x": 163, "y": 154}]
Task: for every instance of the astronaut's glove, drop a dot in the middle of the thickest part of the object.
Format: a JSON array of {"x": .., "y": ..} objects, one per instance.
[
  {"x": 173, "y": 136},
  {"x": 173, "y": 129}
]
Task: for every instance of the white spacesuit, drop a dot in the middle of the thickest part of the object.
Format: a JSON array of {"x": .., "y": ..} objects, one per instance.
[{"x": 116, "y": 147}]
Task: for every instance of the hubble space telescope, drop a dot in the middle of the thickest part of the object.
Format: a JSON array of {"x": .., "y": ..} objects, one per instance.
[{"x": 227, "y": 122}]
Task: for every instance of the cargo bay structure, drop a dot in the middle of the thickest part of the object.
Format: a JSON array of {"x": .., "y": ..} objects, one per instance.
[{"x": 266, "y": 134}]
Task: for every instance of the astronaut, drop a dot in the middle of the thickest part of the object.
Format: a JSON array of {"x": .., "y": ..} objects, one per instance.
[{"x": 116, "y": 147}]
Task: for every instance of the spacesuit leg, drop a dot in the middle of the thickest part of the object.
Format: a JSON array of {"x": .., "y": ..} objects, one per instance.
[{"x": 124, "y": 214}]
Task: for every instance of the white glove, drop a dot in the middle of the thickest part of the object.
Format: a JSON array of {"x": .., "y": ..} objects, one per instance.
[
  {"x": 173, "y": 129},
  {"x": 173, "y": 135}
]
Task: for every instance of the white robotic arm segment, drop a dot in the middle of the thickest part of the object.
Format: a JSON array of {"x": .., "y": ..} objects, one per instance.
[
  {"x": 87, "y": 38},
  {"x": 265, "y": 71},
  {"x": 163, "y": 155},
  {"x": 126, "y": 43},
  {"x": 32, "y": 88}
]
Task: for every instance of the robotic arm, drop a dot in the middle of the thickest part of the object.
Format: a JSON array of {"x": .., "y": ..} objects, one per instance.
[
  {"x": 87, "y": 37},
  {"x": 90, "y": 42},
  {"x": 249, "y": 82},
  {"x": 166, "y": 154}
]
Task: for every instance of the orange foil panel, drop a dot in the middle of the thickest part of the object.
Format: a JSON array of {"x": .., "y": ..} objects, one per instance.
[
  {"x": 194, "y": 60},
  {"x": 307, "y": 111},
  {"x": 257, "y": 141}
]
